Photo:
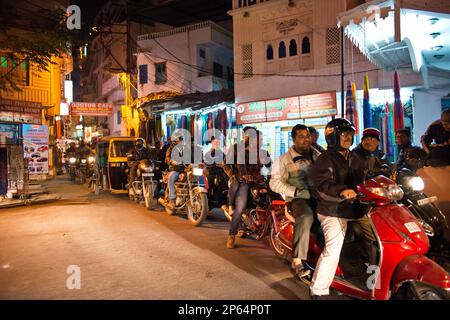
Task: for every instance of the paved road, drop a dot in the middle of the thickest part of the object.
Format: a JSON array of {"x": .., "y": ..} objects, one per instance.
[{"x": 126, "y": 252}]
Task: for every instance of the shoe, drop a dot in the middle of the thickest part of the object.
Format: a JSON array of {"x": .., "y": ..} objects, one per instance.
[
  {"x": 171, "y": 204},
  {"x": 231, "y": 211},
  {"x": 230, "y": 242},
  {"x": 300, "y": 271}
]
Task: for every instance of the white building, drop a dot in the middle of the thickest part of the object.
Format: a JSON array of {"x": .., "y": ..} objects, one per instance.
[
  {"x": 188, "y": 59},
  {"x": 292, "y": 49}
]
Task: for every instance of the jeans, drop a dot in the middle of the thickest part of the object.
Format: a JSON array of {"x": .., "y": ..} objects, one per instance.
[
  {"x": 237, "y": 194},
  {"x": 334, "y": 231},
  {"x": 173, "y": 176},
  {"x": 304, "y": 218}
]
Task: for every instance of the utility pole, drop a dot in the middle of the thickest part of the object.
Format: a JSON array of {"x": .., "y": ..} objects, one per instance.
[{"x": 342, "y": 70}]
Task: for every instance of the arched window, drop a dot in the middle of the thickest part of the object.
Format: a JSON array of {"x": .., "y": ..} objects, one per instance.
[
  {"x": 306, "y": 47},
  {"x": 282, "y": 50},
  {"x": 269, "y": 53},
  {"x": 293, "y": 48}
]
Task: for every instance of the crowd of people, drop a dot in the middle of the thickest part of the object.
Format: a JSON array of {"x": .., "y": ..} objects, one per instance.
[{"x": 313, "y": 181}]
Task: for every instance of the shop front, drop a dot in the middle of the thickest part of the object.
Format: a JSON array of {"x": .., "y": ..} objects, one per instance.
[
  {"x": 15, "y": 116},
  {"x": 203, "y": 115},
  {"x": 276, "y": 118}
]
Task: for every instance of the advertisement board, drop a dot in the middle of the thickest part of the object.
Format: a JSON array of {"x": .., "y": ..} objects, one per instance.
[
  {"x": 297, "y": 107},
  {"x": 9, "y": 134},
  {"x": 20, "y": 111},
  {"x": 35, "y": 147},
  {"x": 90, "y": 109}
]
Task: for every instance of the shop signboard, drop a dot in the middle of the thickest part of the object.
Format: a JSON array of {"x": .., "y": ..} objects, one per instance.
[
  {"x": 9, "y": 134},
  {"x": 20, "y": 111},
  {"x": 308, "y": 106},
  {"x": 318, "y": 105},
  {"x": 35, "y": 145},
  {"x": 252, "y": 112},
  {"x": 91, "y": 109}
]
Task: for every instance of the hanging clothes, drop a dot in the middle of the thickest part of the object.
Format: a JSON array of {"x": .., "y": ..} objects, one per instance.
[{"x": 192, "y": 125}]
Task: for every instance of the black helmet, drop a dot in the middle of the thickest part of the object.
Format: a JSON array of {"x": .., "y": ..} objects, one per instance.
[
  {"x": 333, "y": 130},
  {"x": 139, "y": 144}
]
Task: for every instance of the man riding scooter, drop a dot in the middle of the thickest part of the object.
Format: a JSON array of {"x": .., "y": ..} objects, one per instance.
[
  {"x": 290, "y": 178},
  {"x": 334, "y": 179}
]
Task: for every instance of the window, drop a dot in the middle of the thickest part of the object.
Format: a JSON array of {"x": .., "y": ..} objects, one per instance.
[
  {"x": 333, "y": 45},
  {"x": 269, "y": 53},
  {"x": 160, "y": 73},
  {"x": 202, "y": 53},
  {"x": 19, "y": 74},
  {"x": 119, "y": 117},
  {"x": 143, "y": 74},
  {"x": 306, "y": 47},
  {"x": 293, "y": 48},
  {"x": 282, "y": 50},
  {"x": 247, "y": 60},
  {"x": 217, "y": 70},
  {"x": 3, "y": 62}
]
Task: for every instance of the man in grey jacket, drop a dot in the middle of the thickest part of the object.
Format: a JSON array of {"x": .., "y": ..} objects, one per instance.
[{"x": 290, "y": 178}]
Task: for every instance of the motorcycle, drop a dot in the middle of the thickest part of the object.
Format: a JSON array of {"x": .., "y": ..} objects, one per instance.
[
  {"x": 427, "y": 212},
  {"x": 190, "y": 192},
  {"x": 256, "y": 218},
  {"x": 72, "y": 167},
  {"x": 143, "y": 188},
  {"x": 84, "y": 167},
  {"x": 402, "y": 271}
]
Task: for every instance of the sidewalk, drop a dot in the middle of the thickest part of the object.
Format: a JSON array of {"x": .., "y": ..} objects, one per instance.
[{"x": 37, "y": 194}]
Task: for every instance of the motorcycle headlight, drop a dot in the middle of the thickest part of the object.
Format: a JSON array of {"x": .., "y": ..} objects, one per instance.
[
  {"x": 72, "y": 160},
  {"x": 91, "y": 159},
  {"x": 198, "y": 172},
  {"x": 150, "y": 168},
  {"x": 83, "y": 160},
  {"x": 416, "y": 183},
  {"x": 394, "y": 192}
]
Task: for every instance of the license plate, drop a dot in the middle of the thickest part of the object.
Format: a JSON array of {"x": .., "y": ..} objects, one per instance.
[
  {"x": 423, "y": 202},
  {"x": 148, "y": 174}
]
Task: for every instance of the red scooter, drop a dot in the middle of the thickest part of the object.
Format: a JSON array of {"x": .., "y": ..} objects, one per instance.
[{"x": 402, "y": 271}]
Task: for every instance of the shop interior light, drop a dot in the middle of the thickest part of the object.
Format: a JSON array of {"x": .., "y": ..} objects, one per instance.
[
  {"x": 433, "y": 20},
  {"x": 435, "y": 34},
  {"x": 436, "y": 48}
]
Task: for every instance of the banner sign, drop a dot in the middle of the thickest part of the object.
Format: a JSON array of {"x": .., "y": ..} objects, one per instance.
[
  {"x": 35, "y": 147},
  {"x": 91, "y": 109},
  {"x": 9, "y": 134},
  {"x": 20, "y": 111},
  {"x": 299, "y": 107}
]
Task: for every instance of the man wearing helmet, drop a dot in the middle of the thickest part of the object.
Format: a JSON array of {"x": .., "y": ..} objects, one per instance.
[
  {"x": 175, "y": 156},
  {"x": 333, "y": 179},
  {"x": 140, "y": 152}
]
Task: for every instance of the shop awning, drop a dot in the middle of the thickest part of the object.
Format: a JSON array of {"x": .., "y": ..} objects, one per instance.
[
  {"x": 397, "y": 34},
  {"x": 193, "y": 101}
]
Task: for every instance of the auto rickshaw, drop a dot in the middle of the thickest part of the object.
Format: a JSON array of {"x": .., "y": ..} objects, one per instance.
[{"x": 111, "y": 170}]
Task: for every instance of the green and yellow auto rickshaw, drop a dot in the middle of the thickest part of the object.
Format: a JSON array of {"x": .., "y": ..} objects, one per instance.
[{"x": 111, "y": 170}]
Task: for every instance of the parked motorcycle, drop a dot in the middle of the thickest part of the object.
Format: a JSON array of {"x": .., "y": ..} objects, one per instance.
[
  {"x": 403, "y": 271},
  {"x": 191, "y": 194},
  {"x": 143, "y": 188},
  {"x": 428, "y": 213}
]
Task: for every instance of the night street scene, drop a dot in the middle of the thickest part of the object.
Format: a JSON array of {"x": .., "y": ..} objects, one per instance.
[{"x": 225, "y": 156}]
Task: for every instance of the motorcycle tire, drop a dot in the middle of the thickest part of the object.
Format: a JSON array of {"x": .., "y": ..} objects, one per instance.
[
  {"x": 420, "y": 291},
  {"x": 149, "y": 199},
  {"x": 196, "y": 219},
  {"x": 274, "y": 242}
]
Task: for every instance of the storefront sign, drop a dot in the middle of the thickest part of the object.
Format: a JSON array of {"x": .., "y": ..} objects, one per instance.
[
  {"x": 35, "y": 146},
  {"x": 252, "y": 112},
  {"x": 20, "y": 111},
  {"x": 9, "y": 134},
  {"x": 318, "y": 105},
  {"x": 310, "y": 106},
  {"x": 90, "y": 109}
]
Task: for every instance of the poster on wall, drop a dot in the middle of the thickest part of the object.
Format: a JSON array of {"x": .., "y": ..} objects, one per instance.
[
  {"x": 35, "y": 147},
  {"x": 318, "y": 105},
  {"x": 9, "y": 134}
]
